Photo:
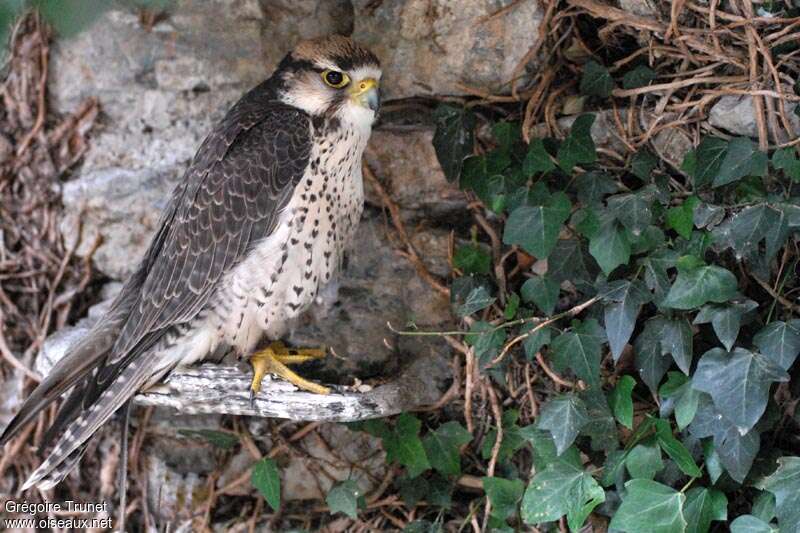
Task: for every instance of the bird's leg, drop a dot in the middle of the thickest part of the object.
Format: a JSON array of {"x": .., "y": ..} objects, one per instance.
[{"x": 274, "y": 359}]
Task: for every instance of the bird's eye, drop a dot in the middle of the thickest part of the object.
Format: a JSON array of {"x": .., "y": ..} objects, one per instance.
[{"x": 335, "y": 79}]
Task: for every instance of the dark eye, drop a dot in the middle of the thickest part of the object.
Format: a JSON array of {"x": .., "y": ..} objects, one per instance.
[{"x": 335, "y": 79}]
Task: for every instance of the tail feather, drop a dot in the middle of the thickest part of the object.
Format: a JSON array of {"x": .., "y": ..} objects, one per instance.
[{"x": 71, "y": 445}]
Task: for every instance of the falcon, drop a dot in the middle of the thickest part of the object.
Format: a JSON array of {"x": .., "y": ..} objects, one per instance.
[{"x": 254, "y": 230}]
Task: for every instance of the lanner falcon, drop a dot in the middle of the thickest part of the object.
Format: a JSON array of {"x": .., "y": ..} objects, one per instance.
[{"x": 256, "y": 227}]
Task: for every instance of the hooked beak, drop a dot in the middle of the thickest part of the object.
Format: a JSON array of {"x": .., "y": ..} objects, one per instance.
[{"x": 366, "y": 93}]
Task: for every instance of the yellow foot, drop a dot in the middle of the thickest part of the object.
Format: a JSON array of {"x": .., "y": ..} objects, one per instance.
[{"x": 275, "y": 357}]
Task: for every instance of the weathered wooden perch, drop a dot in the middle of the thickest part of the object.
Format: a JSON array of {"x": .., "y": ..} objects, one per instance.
[{"x": 225, "y": 390}]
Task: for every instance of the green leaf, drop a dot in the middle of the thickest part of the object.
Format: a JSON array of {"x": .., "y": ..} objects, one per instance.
[
  {"x": 563, "y": 417},
  {"x": 486, "y": 340},
  {"x": 596, "y": 80},
  {"x": 738, "y": 383},
  {"x": 699, "y": 286},
  {"x": 675, "y": 449},
  {"x": 679, "y": 389},
  {"x": 784, "y": 483},
  {"x": 601, "y": 428},
  {"x": 610, "y": 247},
  {"x": 708, "y": 160},
  {"x": 632, "y": 210},
  {"x": 220, "y": 439},
  {"x": 638, "y": 77},
  {"x": 443, "y": 447},
  {"x": 593, "y": 187},
  {"x": 472, "y": 259},
  {"x": 726, "y": 319},
  {"x": 649, "y": 507},
  {"x": 625, "y": 299},
  {"x": 644, "y": 462},
  {"x": 512, "y": 306},
  {"x": 580, "y": 350},
  {"x": 569, "y": 262},
  {"x": 537, "y": 160},
  {"x": 514, "y": 437},
  {"x": 453, "y": 138},
  {"x": 266, "y": 478},
  {"x": 681, "y": 218},
  {"x": 643, "y": 163},
  {"x": 507, "y": 134},
  {"x": 504, "y": 494},
  {"x": 744, "y": 231},
  {"x": 742, "y": 158},
  {"x": 713, "y": 463},
  {"x": 750, "y": 524},
  {"x": 780, "y": 341},
  {"x": 655, "y": 271},
  {"x": 764, "y": 506},
  {"x": 702, "y": 507},
  {"x": 621, "y": 401},
  {"x": 477, "y": 300},
  {"x": 650, "y": 359},
  {"x": 578, "y": 147},
  {"x": 346, "y": 497},
  {"x": 536, "y": 340},
  {"x": 786, "y": 159},
  {"x": 561, "y": 489},
  {"x": 542, "y": 291},
  {"x": 536, "y": 228},
  {"x": 404, "y": 446}
]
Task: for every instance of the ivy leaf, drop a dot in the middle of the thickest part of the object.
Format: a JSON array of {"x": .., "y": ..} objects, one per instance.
[
  {"x": 610, "y": 247},
  {"x": 558, "y": 490},
  {"x": 702, "y": 507},
  {"x": 625, "y": 299},
  {"x": 655, "y": 271},
  {"x": 643, "y": 163},
  {"x": 742, "y": 158},
  {"x": 542, "y": 291},
  {"x": 266, "y": 478},
  {"x": 745, "y": 230},
  {"x": 504, "y": 494},
  {"x": 578, "y": 147},
  {"x": 536, "y": 340},
  {"x": 675, "y": 449},
  {"x": 537, "y": 160},
  {"x": 536, "y": 228},
  {"x": 486, "y": 340},
  {"x": 644, "y": 461},
  {"x": 738, "y": 383},
  {"x": 786, "y": 159},
  {"x": 596, "y": 80},
  {"x": 725, "y": 319},
  {"x": 699, "y": 286},
  {"x": 453, "y": 138},
  {"x": 650, "y": 507},
  {"x": 472, "y": 259},
  {"x": 580, "y": 350},
  {"x": 220, "y": 439},
  {"x": 601, "y": 429},
  {"x": 568, "y": 262},
  {"x": 621, "y": 401},
  {"x": 638, "y": 77},
  {"x": 477, "y": 299},
  {"x": 443, "y": 447},
  {"x": 650, "y": 359},
  {"x": 764, "y": 506},
  {"x": 346, "y": 497},
  {"x": 750, "y": 524},
  {"x": 632, "y": 210},
  {"x": 679, "y": 390},
  {"x": 707, "y": 160},
  {"x": 404, "y": 446},
  {"x": 563, "y": 417},
  {"x": 513, "y": 437},
  {"x": 676, "y": 339},
  {"x": 593, "y": 187},
  {"x": 784, "y": 483},
  {"x": 780, "y": 341},
  {"x": 681, "y": 218}
]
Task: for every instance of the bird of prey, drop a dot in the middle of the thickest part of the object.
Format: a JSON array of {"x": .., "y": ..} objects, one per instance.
[{"x": 253, "y": 231}]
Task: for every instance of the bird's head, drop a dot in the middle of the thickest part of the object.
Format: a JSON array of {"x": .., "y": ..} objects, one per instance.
[{"x": 332, "y": 76}]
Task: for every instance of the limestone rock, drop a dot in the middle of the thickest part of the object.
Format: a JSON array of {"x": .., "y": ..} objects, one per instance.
[
  {"x": 736, "y": 115},
  {"x": 404, "y": 161},
  {"x": 433, "y": 46}
]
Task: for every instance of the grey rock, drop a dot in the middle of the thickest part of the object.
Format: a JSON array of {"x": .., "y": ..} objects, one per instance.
[
  {"x": 642, "y": 8},
  {"x": 122, "y": 208},
  {"x": 736, "y": 115},
  {"x": 404, "y": 161},
  {"x": 434, "y": 46}
]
